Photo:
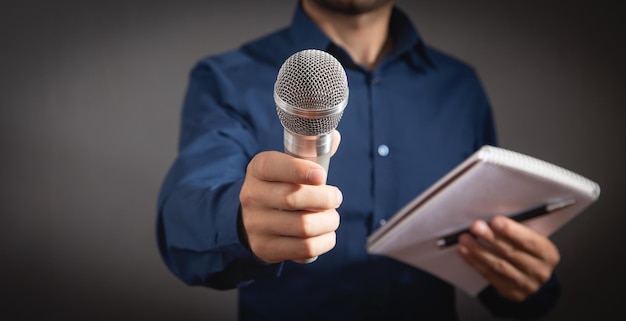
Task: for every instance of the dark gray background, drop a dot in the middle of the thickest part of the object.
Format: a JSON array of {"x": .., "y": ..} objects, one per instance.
[{"x": 90, "y": 95}]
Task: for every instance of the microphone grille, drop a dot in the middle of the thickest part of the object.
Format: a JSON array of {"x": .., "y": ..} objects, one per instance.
[{"x": 311, "y": 91}]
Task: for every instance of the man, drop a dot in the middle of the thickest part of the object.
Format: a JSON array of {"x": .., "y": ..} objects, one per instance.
[{"x": 235, "y": 212}]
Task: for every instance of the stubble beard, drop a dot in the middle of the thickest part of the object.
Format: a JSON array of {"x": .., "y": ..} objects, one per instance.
[{"x": 351, "y": 7}]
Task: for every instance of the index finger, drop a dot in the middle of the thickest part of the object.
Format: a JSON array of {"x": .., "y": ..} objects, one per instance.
[
  {"x": 275, "y": 166},
  {"x": 523, "y": 238}
]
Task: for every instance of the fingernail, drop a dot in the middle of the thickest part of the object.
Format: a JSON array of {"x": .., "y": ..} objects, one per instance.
[
  {"x": 339, "y": 197},
  {"x": 317, "y": 176},
  {"x": 497, "y": 223},
  {"x": 481, "y": 228}
]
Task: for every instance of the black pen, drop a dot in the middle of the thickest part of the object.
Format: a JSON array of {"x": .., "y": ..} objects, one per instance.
[{"x": 523, "y": 216}]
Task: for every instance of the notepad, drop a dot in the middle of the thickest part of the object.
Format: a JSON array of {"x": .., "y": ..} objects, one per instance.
[{"x": 492, "y": 181}]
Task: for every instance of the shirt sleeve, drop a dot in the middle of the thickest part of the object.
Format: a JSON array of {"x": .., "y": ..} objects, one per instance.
[
  {"x": 198, "y": 206},
  {"x": 535, "y": 306}
]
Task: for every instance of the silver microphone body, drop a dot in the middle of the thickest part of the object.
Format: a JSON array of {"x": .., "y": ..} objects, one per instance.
[
  {"x": 313, "y": 148},
  {"x": 311, "y": 92}
]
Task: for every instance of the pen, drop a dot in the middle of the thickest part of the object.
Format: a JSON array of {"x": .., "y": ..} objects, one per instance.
[{"x": 520, "y": 217}]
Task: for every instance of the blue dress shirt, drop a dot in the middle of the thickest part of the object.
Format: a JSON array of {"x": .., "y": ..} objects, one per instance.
[{"x": 408, "y": 122}]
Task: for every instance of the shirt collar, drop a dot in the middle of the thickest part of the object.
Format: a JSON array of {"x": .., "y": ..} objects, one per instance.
[
  {"x": 305, "y": 34},
  {"x": 407, "y": 41}
]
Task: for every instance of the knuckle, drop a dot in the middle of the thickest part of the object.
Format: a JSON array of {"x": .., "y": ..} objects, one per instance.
[
  {"x": 500, "y": 267},
  {"x": 309, "y": 248},
  {"x": 326, "y": 243},
  {"x": 319, "y": 245},
  {"x": 258, "y": 248},
  {"x": 521, "y": 288},
  {"x": 259, "y": 164},
  {"x": 250, "y": 225},
  {"x": 543, "y": 275},
  {"x": 535, "y": 243},
  {"x": 516, "y": 292},
  {"x": 507, "y": 251},
  {"x": 528, "y": 288},
  {"x": 316, "y": 224},
  {"x": 290, "y": 201},
  {"x": 554, "y": 258},
  {"x": 305, "y": 225},
  {"x": 245, "y": 197}
]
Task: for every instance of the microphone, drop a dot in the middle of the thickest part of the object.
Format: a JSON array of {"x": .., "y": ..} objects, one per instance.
[{"x": 311, "y": 92}]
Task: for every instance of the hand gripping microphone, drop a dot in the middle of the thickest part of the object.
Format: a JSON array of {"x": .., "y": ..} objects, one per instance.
[{"x": 311, "y": 92}]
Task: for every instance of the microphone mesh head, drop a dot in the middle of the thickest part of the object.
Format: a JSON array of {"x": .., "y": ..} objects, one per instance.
[{"x": 311, "y": 91}]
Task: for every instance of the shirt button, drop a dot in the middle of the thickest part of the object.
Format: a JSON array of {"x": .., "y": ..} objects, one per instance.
[
  {"x": 383, "y": 150},
  {"x": 382, "y": 222},
  {"x": 375, "y": 80}
]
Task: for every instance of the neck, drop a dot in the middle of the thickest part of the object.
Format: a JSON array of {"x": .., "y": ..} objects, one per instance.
[{"x": 364, "y": 36}]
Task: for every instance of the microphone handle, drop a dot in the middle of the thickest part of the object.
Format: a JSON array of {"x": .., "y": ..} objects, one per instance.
[{"x": 313, "y": 148}]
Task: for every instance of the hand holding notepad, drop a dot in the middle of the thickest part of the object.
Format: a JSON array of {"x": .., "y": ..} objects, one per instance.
[
  {"x": 453, "y": 239},
  {"x": 493, "y": 181}
]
